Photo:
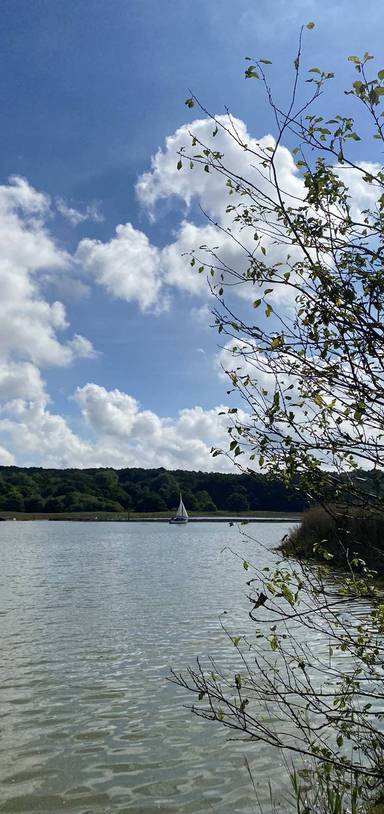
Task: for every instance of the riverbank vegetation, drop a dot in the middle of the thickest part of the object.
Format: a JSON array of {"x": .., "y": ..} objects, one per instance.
[
  {"x": 51, "y": 491},
  {"x": 341, "y": 535}
]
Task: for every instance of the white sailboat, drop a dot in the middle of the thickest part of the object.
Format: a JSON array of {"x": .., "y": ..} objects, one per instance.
[{"x": 181, "y": 517}]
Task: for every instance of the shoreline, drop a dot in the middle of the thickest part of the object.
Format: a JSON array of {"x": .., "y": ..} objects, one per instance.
[{"x": 151, "y": 517}]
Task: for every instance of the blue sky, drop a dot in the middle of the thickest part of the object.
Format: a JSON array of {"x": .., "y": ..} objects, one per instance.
[{"x": 90, "y": 90}]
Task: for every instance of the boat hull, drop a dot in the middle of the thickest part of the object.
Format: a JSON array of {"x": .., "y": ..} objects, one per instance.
[{"x": 178, "y": 521}]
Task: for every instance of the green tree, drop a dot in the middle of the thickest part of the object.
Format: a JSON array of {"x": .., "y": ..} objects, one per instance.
[
  {"x": 13, "y": 501},
  {"x": 106, "y": 480},
  {"x": 34, "y": 503},
  {"x": 237, "y": 502},
  {"x": 205, "y": 502},
  {"x": 308, "y": 366},
  {"x": 151, "y": 502}
]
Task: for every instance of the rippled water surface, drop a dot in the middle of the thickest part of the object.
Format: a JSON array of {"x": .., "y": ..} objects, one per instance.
[{"x": 92, "y": 617}]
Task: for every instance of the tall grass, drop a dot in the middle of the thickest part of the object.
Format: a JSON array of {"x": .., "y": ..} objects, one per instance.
[{"x": 343, "y": 533}]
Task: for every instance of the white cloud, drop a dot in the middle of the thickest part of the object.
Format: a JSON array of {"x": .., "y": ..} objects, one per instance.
[
  {"x": 209, "y": 188},
  {"x": 21, "y": 380},
  {"x": 203, "y": 315},
  {"x": 81, "y": 348},
  {"x": 40, "y": 436},
  {"x": 130, "y": 268},
  {"x": 363, "y": 195},
  {"x": 29, "y": 324},
  {"x": 108, "y": 412},
  {"x": 6, "y": 458},
  {"x": 136, "y": 437},
  {"x": 239, "y": 356},
  {"x": 234, "y": 246},
  {"x": 74, "y": 216},
  {"x": 34, "y": 330},
  {"x": 127, "y": 266},
  {"x": 123, "y": 434}
]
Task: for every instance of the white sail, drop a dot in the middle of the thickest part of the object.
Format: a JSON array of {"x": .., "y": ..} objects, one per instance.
[{"x": 182, "y": 512}]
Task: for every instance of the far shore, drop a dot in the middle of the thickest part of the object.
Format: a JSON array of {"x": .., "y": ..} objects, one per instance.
[{"x": 151, "y": 517}]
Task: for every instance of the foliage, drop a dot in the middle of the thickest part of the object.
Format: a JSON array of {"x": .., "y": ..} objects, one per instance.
[
  {"x": 320, "y": 360},
  {"x": 351, "y": 534},
  {"x": 308, "y": 364},
  {"x": 143, "y": 490}
]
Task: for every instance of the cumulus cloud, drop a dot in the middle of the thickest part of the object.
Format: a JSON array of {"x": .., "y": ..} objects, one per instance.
[
  {"x": 29, "y": 324},
  {"x": 118, "y": 433},
  {"x": 21, "y": 380},
  {"x": 34, "y": 329},
  {"x": 234, "y": 247},
  {"x": 137, "y": 437},
  {"x": 40, "y": 436},
  {"x": 131, "y": 268},
  {"x": 127, "y": 266}
]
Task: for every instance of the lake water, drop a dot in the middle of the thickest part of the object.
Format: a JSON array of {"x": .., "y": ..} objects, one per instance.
[{"x": 92, "y": 617}]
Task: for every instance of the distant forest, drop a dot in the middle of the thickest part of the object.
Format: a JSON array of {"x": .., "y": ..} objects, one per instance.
[{"x": 140, "y": 490}]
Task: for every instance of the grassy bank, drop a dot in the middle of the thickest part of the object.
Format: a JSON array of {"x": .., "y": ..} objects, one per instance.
[
  {"x": 342, "y": 532},
  {"x": 124, "y": 517}
]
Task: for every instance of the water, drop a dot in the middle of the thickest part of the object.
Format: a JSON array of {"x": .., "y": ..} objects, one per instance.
[{"x": 92, "y": 617}]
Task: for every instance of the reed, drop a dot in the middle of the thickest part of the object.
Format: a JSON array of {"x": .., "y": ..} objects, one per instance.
[{"x": 345, "y": 534}]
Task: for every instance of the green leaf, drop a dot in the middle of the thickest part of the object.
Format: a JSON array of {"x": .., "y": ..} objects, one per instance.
[
  {"x": 265, "y": 61},
  {"x": 381, "y": 74},
  {"x": 288, "y": 595},
  {"x": 179, "y": 164},
  {"x": 310, "y": 25},
  {"x": 245, "y": 565},
  {"x": 190, "y": 102},
  {"x": 268, "y": 310},
  {"x": 251, "y": 73},
  {"x": 277, "y": 342},
  {"x": 238, "y": 681},
  {"x": 274, "y": 642},
  {"x": 339, "y": 740}
]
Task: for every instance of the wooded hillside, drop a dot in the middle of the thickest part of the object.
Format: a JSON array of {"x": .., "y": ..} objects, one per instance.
[{"x": 143, "y": 490}]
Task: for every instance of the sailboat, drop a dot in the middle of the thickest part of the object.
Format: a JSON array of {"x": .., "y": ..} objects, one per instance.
[{"x": 182, "y": 515}]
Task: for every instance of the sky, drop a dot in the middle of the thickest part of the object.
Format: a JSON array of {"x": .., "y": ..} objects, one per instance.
[{"x": 108, "y": 356}]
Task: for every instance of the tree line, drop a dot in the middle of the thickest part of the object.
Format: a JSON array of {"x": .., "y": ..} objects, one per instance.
[{"x": 38, "y": 490}]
